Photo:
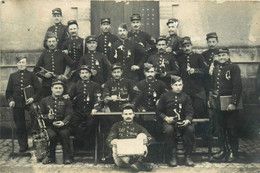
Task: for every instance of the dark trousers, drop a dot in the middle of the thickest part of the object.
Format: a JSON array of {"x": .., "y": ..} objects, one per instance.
[
  {"x": 82, "y": 125},
  {"x": 170, "y": 139},
  {"x": 20, "y": 123},
  {"x": 227, "y": 122},
  {"x": 63, "y": 134}
]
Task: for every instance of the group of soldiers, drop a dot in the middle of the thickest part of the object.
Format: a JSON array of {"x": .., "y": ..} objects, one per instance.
[{"x": 78, "y": 77}]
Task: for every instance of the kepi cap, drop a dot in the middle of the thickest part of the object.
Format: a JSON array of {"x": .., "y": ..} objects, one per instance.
[
  {"x": 71, "y": 22},
  {"x": 51, "y": 35},
  {"x": 186, "y": 40},
  {"x": 211, "y": 35},
  {"x": 19, "y": 58},
  {"x": 135, "y": 17},
  {"x": 91, "y": 38},
  {"x": 57, "y": 82},
  {"x": 128, "y": 106},
  {"x": 123, "y": 25},
  {"x": 148, "y": 66},
  {"x": 175, "y": 78},
  {"x": 57, "y": 11},
  {"x": 116, "y": 66},
  {"x": 173, "y": 20},
  {"x": 223, "y": 50},
  {"x": 85, "y": 67},
  {"x": 162, "y": 37},
  {"x": 105, "y": 20}
]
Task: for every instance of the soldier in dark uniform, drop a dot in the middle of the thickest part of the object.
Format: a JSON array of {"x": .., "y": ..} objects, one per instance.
[
  {"x": 106, "y": 38},
  {"x": 73, "y": 46},
  {"x": 55, "y": 62},
  {"x": 212, "y": 40},
  {"x": 119, "y": 90},
  {"x": 192, "y": 67},
  {"x": 141, "y": 37},
  {"x": 20, "y": 100},
  {"x": 128, "y": 129},
  {"x": 173, "y": 104},
  {"x": 129, "y": 53},
  {"x": 151, "y": 90},
  {"x": 226, "y": 81},
  {"x": 174, "y": 41},
  {"x": 86, "y": 96},
  {"x": 98, "y": 62},
  {"x": 58, "y": 28},
  {"x": 165, "y": 63},
  {"x": 57, "y": 112}
]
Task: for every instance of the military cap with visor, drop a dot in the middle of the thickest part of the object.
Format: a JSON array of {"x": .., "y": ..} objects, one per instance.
[{"x": 57, "y": 11}]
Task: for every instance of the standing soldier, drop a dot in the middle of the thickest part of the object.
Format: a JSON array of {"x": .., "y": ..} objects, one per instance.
[
  {"x": 174, "y": 41},
  {"x": 119, "y": 90},
  {"x": 128, "y": 53},
  {"x": 20, "y": 100},
  {"x": 73, "y": 46},
  {"x": 151, "y": 90},
  {"x": 212, "y": 40},
  {"x": 58, "y": 28},
  {"x": 226, "y": 81},
  {"x": 97, "y": 62},
  {"x": 106, "y": 38},
  {"x": 165, "y": 63},
  {"x": 141, "y": 37},
  {"x": 193, "y": 66},
  {"x": 54, "y": 62},
  {"x": 57, "y": 112},
  {"x": 172, "y": 104},
  {"x": 86, "y": 96}
]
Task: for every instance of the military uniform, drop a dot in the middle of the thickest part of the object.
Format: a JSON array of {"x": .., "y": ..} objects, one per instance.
[
  {"x": 53, "y": 61},
  {"x": 150, "y": 93},
  {"x": 226, "y": 80},
  {"x": 17, "y": 82},
  {"x": 193, "y": 83},
  {"x": 105, "y": 41},
  {"x": 122, "y": 88},
  {"x": 75, "y": 49},
  {"x": 128, "y": 53},
  {"x": 174, "y": 41},
  {"x": 86, "y": 95},
  {"x": 165, "y": 62},
  {"x": 60, "y": 30},
  {"x": 170, "y": 102},
  {"x": 62, "y": 109},
  {"x": 99, "y": 62}
]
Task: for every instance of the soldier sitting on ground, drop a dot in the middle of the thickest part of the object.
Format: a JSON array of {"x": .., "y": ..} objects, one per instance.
[{"x": 128, "y": 129}]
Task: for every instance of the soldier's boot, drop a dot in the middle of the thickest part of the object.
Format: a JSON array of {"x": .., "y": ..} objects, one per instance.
[
  {"x": 233, "y": 158},
  {"x": 188, "y": 161},
  {"x": 173, "y": 161},
  {"x": 222, "y": 155}
]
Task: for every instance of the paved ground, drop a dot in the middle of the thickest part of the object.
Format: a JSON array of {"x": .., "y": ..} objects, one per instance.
[{"x": 249, "y": 150}]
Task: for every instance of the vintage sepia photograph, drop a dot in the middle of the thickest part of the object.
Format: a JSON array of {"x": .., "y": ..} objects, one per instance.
[{"x": 129, "y": 86}]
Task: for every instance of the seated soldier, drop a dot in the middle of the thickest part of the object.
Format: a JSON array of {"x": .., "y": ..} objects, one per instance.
[
  {"x": 151, "y": 90},
  {"x": 119, "y": 90},
  {"x": 177, "y": 103},
  {"x": 86, "y": 96},
  {"x": 57, "y": 113},
  {"x": 128, "y": 129}
]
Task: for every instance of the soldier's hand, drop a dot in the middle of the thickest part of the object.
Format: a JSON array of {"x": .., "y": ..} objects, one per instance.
[
  {"x": 29, "y": 101},
  {"x": 106, "y": 99},
  {"x": 50, "y": 116},
  {"x": 93, "y": 111},
  {"x": 48, "y": 75},
  {"x": 191, "y": 70},
  {"x": 66, "y": 51},
  {"x": 66, "y": 96},
  {"x": 93, "y": 72},
  {"x": 58, "y": 123},
  {"x": 114, "y": 142},
  {"x": 185, "y": 123},
  {"x": 169, "y": 120},
  {"x": 135, "y": 67},
  {"x": 163, "y": 74},
  {"x": 168, "y": 49},
  {"x": 231, "y": 107},
  {"x": 11, "y": 104}
]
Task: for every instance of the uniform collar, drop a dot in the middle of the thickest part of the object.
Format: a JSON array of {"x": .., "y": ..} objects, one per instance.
[
  {"x": 59, "y": 24},
  {"x": 92, "y": 51},
  {"x": 55, "y": 50},
  {"x": 56, "y": 98},
  {"x": 136, "y": 31},
  {"x": 118, "y": 80},
  {"x": 77, "y": 37},
  {"x": 106, "y": 33},
  {"x": 22, "y": 71},
  {"x": 85, "y": 82},
  {"x": 150, "y": 81},
  {"x": 125, "y": 123},
  {"x": 173, "y": 35}
]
